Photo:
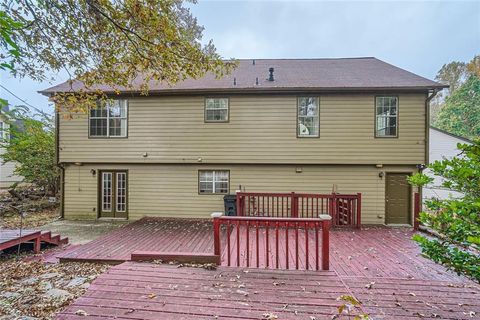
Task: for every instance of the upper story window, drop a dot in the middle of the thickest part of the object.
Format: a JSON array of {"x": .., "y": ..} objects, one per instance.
[
  {"x": 386, "y": 116},
  {"x": 213, "y": 181},
  {"x": 109, "y": 120},
  {"x": 308, "y": 117},
  {"x": 216, "y": 109}
]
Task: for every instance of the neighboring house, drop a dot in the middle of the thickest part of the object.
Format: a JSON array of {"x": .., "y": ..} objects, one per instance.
[
  {"x": 303, "y": 125},
  {"x": 442, "y": 144},
  {"x": 7, "y": 177}
]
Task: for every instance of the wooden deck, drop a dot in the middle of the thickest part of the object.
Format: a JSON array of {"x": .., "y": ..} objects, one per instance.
[
  {"x": 381, "y": 267},
  {"x": 11, "y": 238},
  {"x": 135, "y": 290},
  {"x": 371, "y": 252}
]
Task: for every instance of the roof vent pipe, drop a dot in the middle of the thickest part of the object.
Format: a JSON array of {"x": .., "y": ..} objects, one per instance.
[
  {"x": 256, "y": 81},
  {"x": 270, "y": 77},
  {"x": 234, "y": 81},
  {"x": 253, "y": 62}
]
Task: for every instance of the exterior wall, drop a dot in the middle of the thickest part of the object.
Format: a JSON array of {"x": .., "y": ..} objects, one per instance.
[
  {"x": 172, "y": 190},
  {"x": 7, "y": 178},
  {"x": 441, "y": 145},
  {"x": 172, "y": 130}
]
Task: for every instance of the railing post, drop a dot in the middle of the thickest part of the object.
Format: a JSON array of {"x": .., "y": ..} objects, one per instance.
[
  {"x": 294, "y": 205},
  {"x": 216, "y": 233},
  {"x": 333, "y": 208},
  {"x": 239, "y": 197},
  {"x": 416, "y": 211},
  {"x": 326, "y": 242},
  {"x": 359, "y": 210}
]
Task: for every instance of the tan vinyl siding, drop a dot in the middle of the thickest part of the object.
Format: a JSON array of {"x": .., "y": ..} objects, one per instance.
[
  {"x": 262, "y": 129},
  {"x": 172, "y": 190}
]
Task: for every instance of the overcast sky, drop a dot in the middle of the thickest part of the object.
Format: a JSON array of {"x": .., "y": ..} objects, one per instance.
[{"x": 418, "y": 36}]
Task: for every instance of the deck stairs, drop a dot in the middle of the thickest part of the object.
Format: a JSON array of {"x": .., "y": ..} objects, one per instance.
[{"x": 55, "y": 239}]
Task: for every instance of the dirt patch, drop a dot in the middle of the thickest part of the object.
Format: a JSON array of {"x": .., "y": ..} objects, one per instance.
[{"x": 35, "y": 289}]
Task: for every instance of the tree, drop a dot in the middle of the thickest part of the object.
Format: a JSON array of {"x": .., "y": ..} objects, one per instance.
[
  {"x": 32, "y": 147},
  {"x": 452, "y": 74},
  {"x": 460, "y": 113},
  {"x": 124, "y": 44},
  {"x": 456, "y": 220}
]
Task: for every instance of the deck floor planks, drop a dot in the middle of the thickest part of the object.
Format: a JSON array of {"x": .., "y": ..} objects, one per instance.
[{"x": 194, "y": 293}]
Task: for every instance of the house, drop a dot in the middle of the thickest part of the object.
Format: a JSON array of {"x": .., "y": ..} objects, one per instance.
[
  {"x": 277, "y": 125},
  {"x": 442, "y": 145},
  {"x": 7, "y": 176}
]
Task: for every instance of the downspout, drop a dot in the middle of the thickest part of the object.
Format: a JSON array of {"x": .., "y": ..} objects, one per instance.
[
  {"x": 59, "y": 165},
  {"x": 427, "y": 138}
]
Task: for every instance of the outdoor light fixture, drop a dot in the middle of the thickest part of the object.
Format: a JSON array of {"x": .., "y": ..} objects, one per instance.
[
  {"x": 421, "y": 166},
  {"x": 379, "y": 165},
  {"x": 145, "y": 154},
  {"x": 298, "y": 169},
  {"x": 381, "y": 174},
  {"x": 93, "y": 172}
]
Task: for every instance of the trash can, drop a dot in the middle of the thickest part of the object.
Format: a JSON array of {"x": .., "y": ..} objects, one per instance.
[{"x": 230, "y": 202}]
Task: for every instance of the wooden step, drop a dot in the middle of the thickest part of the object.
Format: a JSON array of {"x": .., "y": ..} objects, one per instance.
[{"x": 182, "y": 257}]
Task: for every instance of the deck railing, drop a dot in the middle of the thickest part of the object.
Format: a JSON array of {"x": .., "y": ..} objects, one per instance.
[
  {"x": 269, "y": 242},
  {"x": 345, "y": 209}
]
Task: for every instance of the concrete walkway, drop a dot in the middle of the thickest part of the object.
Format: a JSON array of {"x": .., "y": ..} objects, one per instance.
[{"x": 81, "y": 232}]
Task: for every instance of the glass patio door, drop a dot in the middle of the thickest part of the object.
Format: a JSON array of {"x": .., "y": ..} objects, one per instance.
[{"x": 113, "y": 194}]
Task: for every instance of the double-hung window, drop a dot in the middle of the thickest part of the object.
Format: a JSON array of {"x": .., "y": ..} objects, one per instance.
[
  {"x": 109, "y": 119},
  {"x": 216, "y": 110},
  {"x": 386, "y": 116},
  {"x": 213, "y": 181},
  {"x": 308, "y": 117}
]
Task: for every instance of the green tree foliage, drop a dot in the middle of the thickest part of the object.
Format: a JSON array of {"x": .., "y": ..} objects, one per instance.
[
  {"x": 120, "y": 44},
  {"x": 461, "y": 112},
  {"x": 32, "y": 147},
  {"x": 452, "y": 74},
  {"x": 456, "y": 220}
]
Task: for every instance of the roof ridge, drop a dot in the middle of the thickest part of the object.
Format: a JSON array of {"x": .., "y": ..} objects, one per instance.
[{"x": 341, "y": 58}]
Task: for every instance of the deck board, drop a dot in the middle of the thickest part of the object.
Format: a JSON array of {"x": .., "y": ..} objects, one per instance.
[{"x": 135, "y": 290}]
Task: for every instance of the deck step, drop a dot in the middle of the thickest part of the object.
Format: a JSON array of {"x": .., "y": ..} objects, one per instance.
[
  {"x": 182, "y": 257},
  {"x": 54, "y": 239}
]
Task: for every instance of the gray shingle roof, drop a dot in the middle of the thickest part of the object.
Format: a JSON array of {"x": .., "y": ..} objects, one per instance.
[{"x": 344, "y": 74}]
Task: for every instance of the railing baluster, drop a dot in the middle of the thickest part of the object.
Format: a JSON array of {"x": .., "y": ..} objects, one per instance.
[
  {"x": 228, "y": 242},
  {"x": 258, "y": 247},
  {"x": 286, "y": 246},
  {"x": 276, "y": 244},
  {"x": 267, "y": 246},
  {"x": 306, "y": 246},
  {"x": 248, "y": 244},
  {"x": 316, "y": 246},
  {"x": 296, "y": 245},
  {"x": 238, "y": 243}
]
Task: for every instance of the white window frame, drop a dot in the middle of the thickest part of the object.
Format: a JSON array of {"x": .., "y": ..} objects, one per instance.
[
  {"x": 315, "y": 117},
  {"x": 214, "y": 181},
  {"x": 108, "y": 118},
  {"x": 207, "y": 108},
  {"x": 383, "y": 118}
]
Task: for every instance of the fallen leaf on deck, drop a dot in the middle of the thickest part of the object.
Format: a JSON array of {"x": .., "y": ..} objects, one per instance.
[
  {"x": 269, "y": 316},
  {"x": 81, "y": 312}
]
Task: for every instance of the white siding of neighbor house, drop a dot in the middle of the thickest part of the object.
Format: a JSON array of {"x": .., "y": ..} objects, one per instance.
[{"x": 441, "y": 145}]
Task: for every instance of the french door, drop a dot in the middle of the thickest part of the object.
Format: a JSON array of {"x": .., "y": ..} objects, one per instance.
[{"x": 113, "y": 194}]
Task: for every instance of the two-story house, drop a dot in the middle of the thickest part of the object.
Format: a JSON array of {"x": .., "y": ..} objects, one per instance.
[{"x": 273, "y": 125}]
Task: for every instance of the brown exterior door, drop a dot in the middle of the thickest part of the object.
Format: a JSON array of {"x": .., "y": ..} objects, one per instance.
[
  {"x": 113, "y": 194},
  {"x": 397, "y": 199}
]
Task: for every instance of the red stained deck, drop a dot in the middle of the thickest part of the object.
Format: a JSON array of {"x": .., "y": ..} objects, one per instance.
[
  {"x": 371, "y": 252},
  {"x": 135, "y": 290},
  {"x": 11, "y": 238},
  {"x": 404, "y": 285}
]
